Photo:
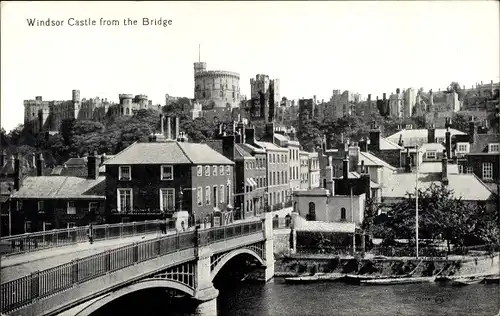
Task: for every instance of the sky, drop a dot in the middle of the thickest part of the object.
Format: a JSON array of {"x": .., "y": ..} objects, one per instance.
[{"x": 312, "y": 47}]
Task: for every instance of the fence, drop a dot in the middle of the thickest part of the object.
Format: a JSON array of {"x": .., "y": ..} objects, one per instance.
[
  {"x": 434, "y": 251},
  {"x": 62, "y": 237},
  {"x": 27, "y": 289}
]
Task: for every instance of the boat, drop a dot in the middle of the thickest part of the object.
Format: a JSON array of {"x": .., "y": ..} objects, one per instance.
[
  {"x": 357, "y": 279},
  {"x": 466, "y": 281},
  {"x": 492, "y": 279},
  {"x": 393, "y": 281},
  {"x": 305, "y": 279}
]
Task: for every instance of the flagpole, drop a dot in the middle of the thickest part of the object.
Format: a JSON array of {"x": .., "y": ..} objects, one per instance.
[{"x": 416, "y": 202}]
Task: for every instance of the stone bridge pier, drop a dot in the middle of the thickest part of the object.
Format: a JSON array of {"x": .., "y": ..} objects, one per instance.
[{"x": 205, "y": 292}]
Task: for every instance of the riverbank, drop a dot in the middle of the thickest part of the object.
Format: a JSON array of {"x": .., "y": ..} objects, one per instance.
[{"x": 426, "y": 267}]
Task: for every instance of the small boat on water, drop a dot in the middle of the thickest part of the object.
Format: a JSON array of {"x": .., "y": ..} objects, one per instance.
[
  {"x": 466, "y": 281},
  {"x": 357, "y": 279},
  {"x": 394, "y": 281},
  {"x": 492, "y": 279},
  {"x": 461, "y": 280},
  {"x": 305, "y": 279}
]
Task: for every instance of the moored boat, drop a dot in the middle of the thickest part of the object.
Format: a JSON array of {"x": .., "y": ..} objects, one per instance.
[
  {"x": 314, "y": 278},
  {"x": 394, "y": 281},
  {"x": 492, "y": 280},
  {"x": 466, "y": 281}
]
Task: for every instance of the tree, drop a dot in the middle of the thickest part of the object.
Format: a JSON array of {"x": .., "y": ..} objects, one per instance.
[
  {"x": 455, "y": 87},
  {"x": 440, "y": 214},
  {"x": 461, "y": 123}
]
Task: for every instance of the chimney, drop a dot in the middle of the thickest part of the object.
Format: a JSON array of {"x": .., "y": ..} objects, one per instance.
[
  {"x": 18, "y": 172},
  {"x": 345, "y": 168},
  {"x": 39, "y": 165},
  {"x": 238, "y": 137},
  {"x": 384, "y": 97},
  {"x": 362, "y": 167},
  {"x": 447, "y": 122},
  {"x": 162, "y": 127},
  {"x": 363, "y": 145},
  {"x": 431, "y": 97},
  {"x": 374, "y": 138},
  {"x": 33, "y": 161},
  {"x": 353, "y": 151},
  {"x": 169, "y": 127},
  {"x": 408, "y": 162},
  {"x": 103, "y": 158},
  {"x": 2, "y": 158},
  {"x": 329, "y": 175},
  {"x": 323, "y": 143},
  {"x": 472, "y": 130},
  {"x": 431, "y": 134},
  {"x": 92, "y": 166},
  {"x": 444, "y": 164},
  {"x": 369, "y": 99},
  {"x": 448, "y": 142},
  {"x": 250, "y": 135},
  {"x": 176, "y": 127}
]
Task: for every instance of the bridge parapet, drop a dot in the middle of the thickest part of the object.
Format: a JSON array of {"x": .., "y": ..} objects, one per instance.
[{"x": 51, "y": 290}]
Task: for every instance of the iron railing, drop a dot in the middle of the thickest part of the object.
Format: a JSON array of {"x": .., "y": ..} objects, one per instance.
[
  {"x": 38, "y": 285},
  {"x": 62, "y": 237}
]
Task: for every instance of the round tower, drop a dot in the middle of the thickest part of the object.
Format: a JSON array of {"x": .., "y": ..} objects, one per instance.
[
  {"x": 75, "y": 96},
  {"x": 126, "y": 104},
  {"x": 200, "y": 67}
]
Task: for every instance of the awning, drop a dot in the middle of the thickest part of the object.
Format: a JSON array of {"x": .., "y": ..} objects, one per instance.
[{"x": 251, "y": 182}]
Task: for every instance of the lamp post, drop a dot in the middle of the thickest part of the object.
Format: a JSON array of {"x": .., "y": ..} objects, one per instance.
[{"x": 416, "y": 200}]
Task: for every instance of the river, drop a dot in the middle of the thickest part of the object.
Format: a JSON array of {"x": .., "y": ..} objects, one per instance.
[
  {"x": 278, "y": 298},
  {"x": 329, "y": 299}
]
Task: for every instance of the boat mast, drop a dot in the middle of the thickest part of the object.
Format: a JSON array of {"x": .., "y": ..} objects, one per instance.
[{"x": 416, "y": 202}]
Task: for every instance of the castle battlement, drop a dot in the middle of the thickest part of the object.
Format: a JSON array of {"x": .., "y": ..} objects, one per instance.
[
  {"x": 141, "y": 97},
  {"x": 218, "y": 73},
  {"x": 125, "y": 96}
]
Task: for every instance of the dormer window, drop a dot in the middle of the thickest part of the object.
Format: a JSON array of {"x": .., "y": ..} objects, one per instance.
[
  {"x": 167, "y": 172},
  {"x": 463, "y": 147},
  {"x": 124, "y": 173},
  {"x": 494, "y": 148}
]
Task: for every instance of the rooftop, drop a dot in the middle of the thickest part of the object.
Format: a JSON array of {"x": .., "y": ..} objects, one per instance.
[
  {"x": 240, "y": 152},
  {"x": 168, "y": 153},
  {"x": 422, "y": 133},
  {"x": 301, "y": 224},
  {"x": 270, "y": 146},
  {"x": 372, "y": 160},
  {"x": 58, "y": 187},
  {"x": 386, "y": 144},
  {"x": 465, "y": 186}
]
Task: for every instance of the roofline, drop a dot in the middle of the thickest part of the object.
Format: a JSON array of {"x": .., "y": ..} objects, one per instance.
[
  {"x": 79, "y": 197},
  {"x": 118, "y": 154}
]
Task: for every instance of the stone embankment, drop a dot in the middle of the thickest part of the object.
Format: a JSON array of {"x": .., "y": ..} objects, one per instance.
[{"x": 290, "y": 265}]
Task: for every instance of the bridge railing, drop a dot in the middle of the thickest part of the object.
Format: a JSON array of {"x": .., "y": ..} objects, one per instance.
[
  {"x": 62, "y": 237},
  {"x": 38, "y": 285}
]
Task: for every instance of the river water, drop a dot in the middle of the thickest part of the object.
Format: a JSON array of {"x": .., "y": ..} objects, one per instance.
[{"x": 278, "y": 298}]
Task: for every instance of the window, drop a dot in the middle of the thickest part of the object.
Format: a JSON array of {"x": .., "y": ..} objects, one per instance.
[
  {"x": 214, "y": 197},
  {"x": 71, "y": 209},
  {"x": 228, "y": 192},
  {"x": 70, "y": 225},
  {"x": 40, "y": 206},
  {"x": 124, "y": 173},
  {"x": 214, "y": 170},
  {"x": 199, "y": 171},
  {"x": 125, "y": 200},
  {"x": 494, "y": 148},
  {"x": 279, "y": 158},
  {"x": 343, "y": 214},
  {"x": 228, "y": 170},
  {"x": 207, "y": 171},
  {"x": 93, "y": 207},
  {"x": 221, "y": 193},
  {"x": 47, "y": 226},
  {"x": 469, "y": 170},
  {"x": 221, "y": 170},
  {"x": 431, "y": 154},
  {"x": 462, "y": 147},
  {"x": 460, "y": 169},
  {"x": 207, "y": 195},
  {"x": 167, "y": 199},
  {"x": 487, "y": 171},
  {"x": 199, "y": 196},
  {"x": 167, "y": 172}
]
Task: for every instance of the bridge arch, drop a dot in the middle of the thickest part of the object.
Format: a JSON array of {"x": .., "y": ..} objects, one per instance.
[
  {"x": 226, "y": 258},
  {"x": 141, "y": 285}
]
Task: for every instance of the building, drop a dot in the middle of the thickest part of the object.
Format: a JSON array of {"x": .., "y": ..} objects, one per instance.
[
  {"x": 478, "y": 153},
  {"x": 48, "y": 115},
  {"x": 169, "y": 176},
  {"x": 314, "y": 172},
  {"x": 290, "y": 142},
  {"x": 384, "y": 148},
  {"x": 304, "y": 170},
  {"x": 417, "y": 137},
  {"x": 265, "y": 97},
  {"x": 52, "y": 200},
  {"x": 343, "y": 104},
  {"x": 216, "y": 88}
]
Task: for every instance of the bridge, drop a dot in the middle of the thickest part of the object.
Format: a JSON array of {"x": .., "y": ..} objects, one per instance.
[{"x": 187, "y": 262}]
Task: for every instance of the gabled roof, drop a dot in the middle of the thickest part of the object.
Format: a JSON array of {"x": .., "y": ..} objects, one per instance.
[
  {"x": 241, "y": 153},
  {"x": 270, "y": 146},
  {"x": 481, "y": 142},
  {"x": 168, "y": 153},
  {"x": 57, "y": 187},
  {"x": 436, "y": 167},
  {"x": 252, "y": 149},
  {"x": 386, "y": 144},
  {"x": 465, "y": 186},
  {"x": 372, "y": 160}
]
